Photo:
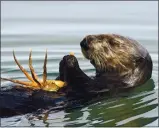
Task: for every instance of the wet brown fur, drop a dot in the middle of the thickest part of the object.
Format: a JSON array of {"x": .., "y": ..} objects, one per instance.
[{"x": 119, "y": 55}]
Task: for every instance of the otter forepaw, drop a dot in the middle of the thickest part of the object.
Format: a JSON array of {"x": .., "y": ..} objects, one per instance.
[{"x": 70, "y": 61}]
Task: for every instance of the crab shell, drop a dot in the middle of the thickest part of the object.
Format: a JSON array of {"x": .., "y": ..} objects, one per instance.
[{"x": 35, "y": 83}]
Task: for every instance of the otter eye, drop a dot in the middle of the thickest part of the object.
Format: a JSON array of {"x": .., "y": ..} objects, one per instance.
[
  {"x": 100, "y": 41},
  {"x": 90, "y": 38}
]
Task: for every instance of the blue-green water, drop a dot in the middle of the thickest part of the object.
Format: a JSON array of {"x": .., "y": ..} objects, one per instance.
[{"x": 59, "y": 27}]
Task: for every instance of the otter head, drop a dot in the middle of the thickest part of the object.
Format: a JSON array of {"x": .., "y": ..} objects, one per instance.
[{"x": 108, "y": 52}]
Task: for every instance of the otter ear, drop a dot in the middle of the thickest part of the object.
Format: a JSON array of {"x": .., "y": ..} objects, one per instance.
[
  {"x": 107, "y": 38},
  {"x": 113, "y": 42}
]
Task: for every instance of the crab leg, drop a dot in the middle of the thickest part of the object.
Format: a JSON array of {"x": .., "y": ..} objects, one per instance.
[
  {"x": 22, "y": 69},
  {"x": 18, "y": 81},
  {"x": 35, "y": 78},
  {"x": 45, "y": 70}
]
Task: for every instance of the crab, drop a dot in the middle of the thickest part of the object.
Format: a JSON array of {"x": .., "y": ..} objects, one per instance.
[{"x": 35, "y": 82}]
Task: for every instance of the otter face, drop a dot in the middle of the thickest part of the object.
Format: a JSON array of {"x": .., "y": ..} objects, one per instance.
[{"x": 108, "y": 52}]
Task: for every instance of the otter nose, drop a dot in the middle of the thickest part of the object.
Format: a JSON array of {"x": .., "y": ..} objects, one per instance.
[{"x": 84, "y": 44}]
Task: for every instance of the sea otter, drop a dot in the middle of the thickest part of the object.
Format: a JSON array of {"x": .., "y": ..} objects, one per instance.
[{"x": 120, "y": 63}]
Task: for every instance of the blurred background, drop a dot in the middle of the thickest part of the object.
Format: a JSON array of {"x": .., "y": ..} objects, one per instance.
[{"x": 59, "y": 27}]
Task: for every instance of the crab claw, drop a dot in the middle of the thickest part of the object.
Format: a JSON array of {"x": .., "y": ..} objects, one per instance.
[
  {"x": 45, "y": 69},
  {"x": 34, "y": 76},
  {"x": 22, "y": 69},
  {"x": 35, "y": 83},
  {"x": 72, "y": 53}
]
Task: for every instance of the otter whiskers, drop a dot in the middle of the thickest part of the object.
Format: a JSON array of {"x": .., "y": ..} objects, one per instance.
[{"x": 98, "y": 58}]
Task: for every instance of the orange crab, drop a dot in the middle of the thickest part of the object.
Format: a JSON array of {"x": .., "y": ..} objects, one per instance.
[{"x": 35, "y": 83}]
